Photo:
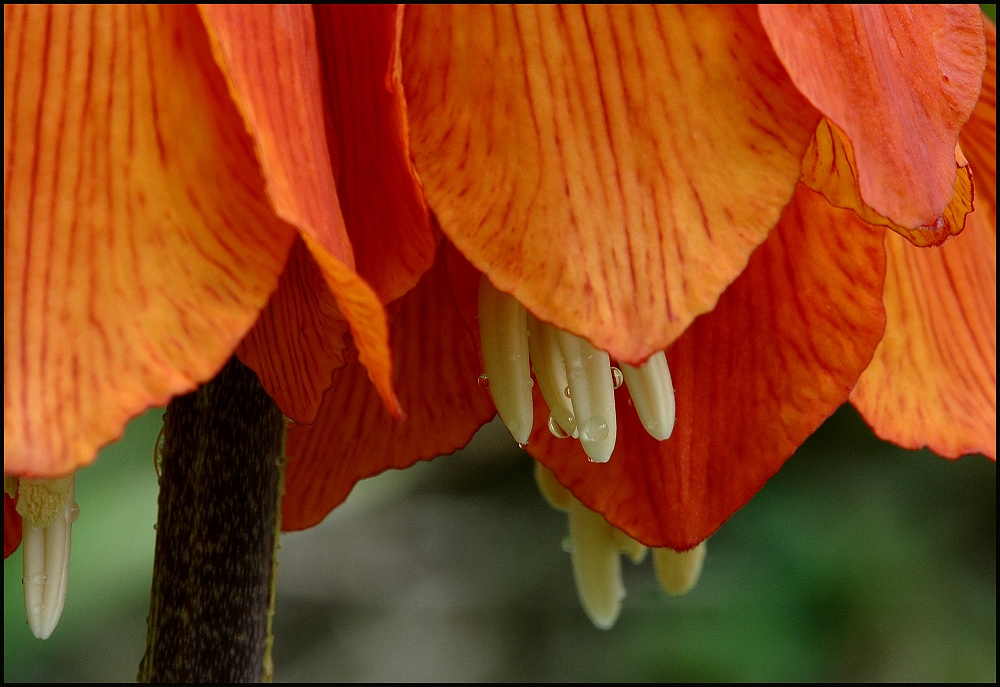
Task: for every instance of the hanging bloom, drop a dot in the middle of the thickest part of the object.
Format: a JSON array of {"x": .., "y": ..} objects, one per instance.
[
  {"x": 712, "y": 182},
  {"x": 709, "y": 182}
]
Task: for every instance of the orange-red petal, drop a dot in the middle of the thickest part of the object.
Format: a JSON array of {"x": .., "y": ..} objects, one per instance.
[
  {"x": 611, "y": 167},
  {"x": 270, "y": 58},
  {"x": 139, "y": 245},
  {"x": 933, "y": 379},
  {"x": 753, "y": 379},
  {"x": 437, "y": 365},
  {"x": 380, "y": 195},
  {"x": 298, "y": 340},
  {"x": 11, "y": 526},
  {"x": 899, "y": 80}
]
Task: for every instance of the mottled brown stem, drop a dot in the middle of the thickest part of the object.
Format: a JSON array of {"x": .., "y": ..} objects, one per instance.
[{"x": 216, "y": 539}]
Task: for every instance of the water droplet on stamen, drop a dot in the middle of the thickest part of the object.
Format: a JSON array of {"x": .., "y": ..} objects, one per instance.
[
  {"x": 566, "y": 392},
  {"x": 617, "y": 378},
  {"x": 595, "y": 430},
  {"x": 557, "y": 431},
  {"x": 483, "y": 381}
]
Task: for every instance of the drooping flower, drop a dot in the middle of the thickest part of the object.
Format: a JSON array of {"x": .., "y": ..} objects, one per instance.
[
  {"x": 711, "y": 181},
  {"x": 639, "y": 177}
]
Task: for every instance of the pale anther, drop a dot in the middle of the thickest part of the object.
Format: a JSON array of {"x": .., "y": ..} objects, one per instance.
[
  {"x": 596, "y": 565},
  {"x": 48, "y": 509},
  {"x": 503, "y": 327},
  {"x": 547, "y": 362},
  {"x": 652, "y": 394},
  {"x": 588, "y": 373},
  {"x": 678, "y": 571}
]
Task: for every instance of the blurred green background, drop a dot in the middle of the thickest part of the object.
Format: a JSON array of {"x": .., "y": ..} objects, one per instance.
[{"x": 858, "y": 561}]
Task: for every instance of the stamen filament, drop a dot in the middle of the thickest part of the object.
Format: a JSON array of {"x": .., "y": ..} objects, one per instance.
[
  {"x": 591, "y": 387},
  {"x": 652, "y": 394},
  {"x": 503, "y": 327}
]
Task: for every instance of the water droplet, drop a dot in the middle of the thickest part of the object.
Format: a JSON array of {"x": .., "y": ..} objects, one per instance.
[
  {"x": 557, "y": 431},
  {"x": 566, "y": 393},
  {"x": 531, "y": 383},
  {"x": 524, "y": 445},
  {"x": 483, "y": 381},
  {"x": 596, "y": 430},
  {"x": 617, "y": 378},
  {"x": 630, "y": 401},
  {"x": 567, "y": 544}
]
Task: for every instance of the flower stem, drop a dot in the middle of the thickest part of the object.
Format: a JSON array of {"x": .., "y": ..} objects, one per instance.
[{"x": 216, "y": 539}]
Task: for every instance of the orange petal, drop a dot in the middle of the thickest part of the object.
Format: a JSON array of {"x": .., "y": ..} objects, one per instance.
[
  {"x": 271, "y": 60},
  {"x": 384, "y": 209},
  {"x": 11, "y": 526},
  {"x": 899, "y": 80},
  {"x": 354, "y": 437},
  {"x": 139, "y": 246},
  {"x": 933, "y": 379},
  {"x": 830, "y": 167},
  {"x": 611, "y": 167},
  {"x": 753, "y": 379},
  {"x": 298, "y": 340}
]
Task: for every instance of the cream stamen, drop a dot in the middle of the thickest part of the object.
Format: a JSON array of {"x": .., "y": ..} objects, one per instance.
[
  {"x": 48, "y": 509},
  {"x": 588, "y": 373},
  {"x": 652, "y": 394},
  {"x": 678, "y": 571},
  {"x": 503, "y": 327},
  {"x": 550, "y": 371}
]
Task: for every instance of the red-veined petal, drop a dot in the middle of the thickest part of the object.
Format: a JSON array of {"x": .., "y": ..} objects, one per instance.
[
  {"x": 611, "y": 167},
  {"x": 753, "y": 379},
  {"x": 383, "y": 205},
  {"x": 270, "y": 57},
  {"x": 437, "y": 365},
  {"x": 900, "y": 81},
  {"x": 139, "y": 245}
]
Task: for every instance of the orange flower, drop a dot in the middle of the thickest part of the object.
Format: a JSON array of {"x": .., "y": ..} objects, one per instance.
[
  {"x": 183, "y": 184},
  {"x": 711, "y": 181}
]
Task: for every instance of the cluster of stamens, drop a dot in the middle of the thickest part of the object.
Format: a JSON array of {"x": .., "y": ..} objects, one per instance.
[
  {"x": 578, "y": 384},
  {"x": 577, "y": 380}
]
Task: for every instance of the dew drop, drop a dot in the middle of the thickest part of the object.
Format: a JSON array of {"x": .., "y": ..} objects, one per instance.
[
  {"x": 557, "y": 431},
  {"x": 595, "y": 430},
  {"x": 567, "y": 544},
  {"x": 483, "y": 381},
  {"x": 531, "y": 383},
  {"x": 566, "y": 392},
  {"x": 524, "y": 445},
  {"x": 617, "y": 378}
]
